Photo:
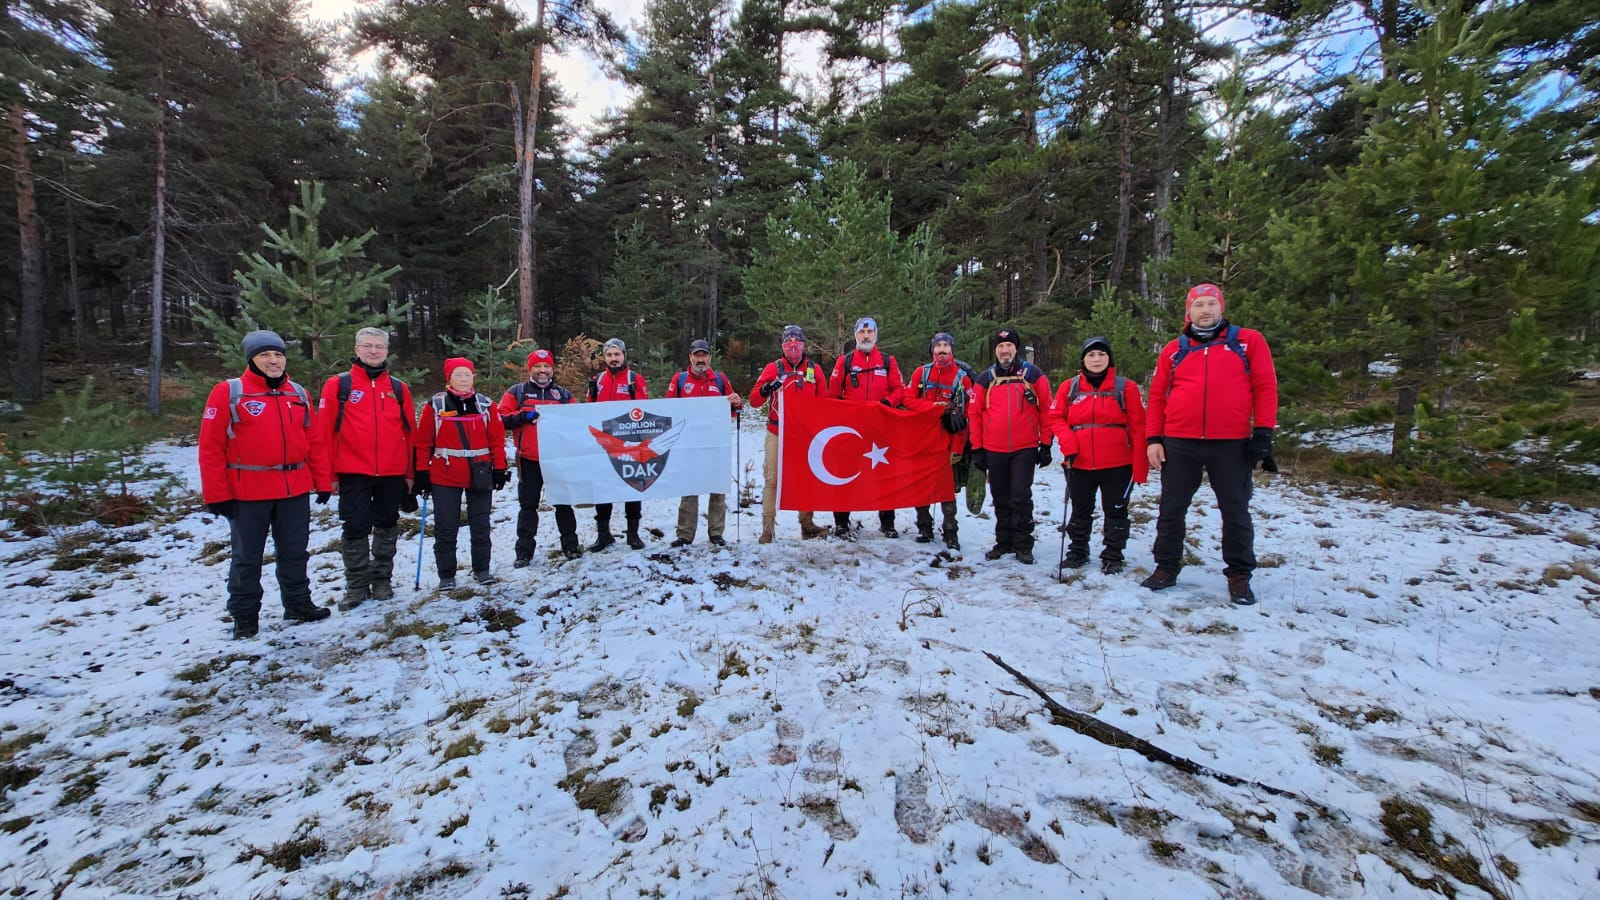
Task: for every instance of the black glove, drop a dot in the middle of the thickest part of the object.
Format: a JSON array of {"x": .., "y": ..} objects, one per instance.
[
  {"x": 502, "y": 477},
  {"x": 980, "y": 459},
  {"x": 322, "y": 497},
  {"x": 531, "y": 415},
  {"x": 770, "y": 388},
  {"x": 420, "y": 483},
  {"x": 1258, "y": 449},
  {"x": 224, "y": 509},
  {"x": 1043, "y": 456},
  {"x": 885, "y": 402},
  {"x": 408, "y": 502}
]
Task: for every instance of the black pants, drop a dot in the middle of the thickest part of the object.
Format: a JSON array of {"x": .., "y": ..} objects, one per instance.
[
  {"x": 530, "y": 485},
  {"x": 289, "y": 521},
  {"x": 1011, "y": 483},
  {"x": 885, "y": 519},
  {"x": 630, "y": 510},
  {"x": 1114, "y": 487},
  {"x": 947, "y": 508},
  {"x": 369, "y": 501},
  {"x": 1224, "y": 465},
  {"x": 447, "y": 521}
]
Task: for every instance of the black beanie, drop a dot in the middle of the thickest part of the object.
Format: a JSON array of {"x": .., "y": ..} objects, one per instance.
[
  {"x": 1096, "y": 343},
  {"x": 1005, "y": 336}
]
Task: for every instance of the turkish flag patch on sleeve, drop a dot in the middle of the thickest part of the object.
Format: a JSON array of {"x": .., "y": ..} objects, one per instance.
[{"x": 846, "y": 455}]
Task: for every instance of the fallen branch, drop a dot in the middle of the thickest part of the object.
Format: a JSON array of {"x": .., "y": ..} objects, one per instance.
[{"x": 1112, "y": 736}]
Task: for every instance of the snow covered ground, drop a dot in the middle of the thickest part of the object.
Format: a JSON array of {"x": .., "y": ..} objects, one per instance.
[{"x": 810, "y": 719}]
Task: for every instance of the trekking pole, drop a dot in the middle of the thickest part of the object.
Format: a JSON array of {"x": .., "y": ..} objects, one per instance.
[
  {"x": 1066, "y": 504},
  {"x": 738, "y": 480},
  {"x": 422, "y": 532}
]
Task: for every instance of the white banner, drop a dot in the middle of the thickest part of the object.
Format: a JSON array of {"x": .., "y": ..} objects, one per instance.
[{"x": 635, "y": 449}]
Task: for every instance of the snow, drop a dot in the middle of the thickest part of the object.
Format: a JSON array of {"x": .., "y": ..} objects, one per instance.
[{"x": 812, "y": 719}]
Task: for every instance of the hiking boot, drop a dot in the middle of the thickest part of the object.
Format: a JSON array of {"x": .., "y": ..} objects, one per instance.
[
  {"x": 352, "y": 599},
  {"x": 447, "y": 582},
  {"x": 766, "y": 537},
  {"x": 310, "y": 612},
  {"x": 1025, "y": 557},
  {"x": 1239, "y": 592},
  {"x": 809, "y": 530},
  {"x": 634, "y": 540},
  {"x": 843, "y": 533},
  {"x": 996, "y": 552},
  {"x": 357, "y": 571},
  {"x": 1075, "y": 559},
  {"x": 1111, "y": 567},
  {"x": 1160, "y": 579},
  {"x": 717, "y": 541},
  {"x": 571, "y": 551},
  {"x": 384, "y": 542},
  {"x": 381, "y": 590},
  {"x": 245, "y": 627},
  {"x": 484, "y": 578},
  {"x": 951, "y": 541},
  {"x": 601, "y": 542},
  {"x": 889, "y": 532},
  {"x": 521, "y": 562},
  {"x": 680, "y": 542},
  {"x": 925, "y": 537}
]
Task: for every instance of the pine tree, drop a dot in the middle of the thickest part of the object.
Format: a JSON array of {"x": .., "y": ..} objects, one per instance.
[
  {"x": 313, "y": 294},
  {"x": 492, "y": 345}
]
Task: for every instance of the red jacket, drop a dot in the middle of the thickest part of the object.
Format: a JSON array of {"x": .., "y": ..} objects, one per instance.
[
  {"x": 807, "y": 378},
  {"x": 629, "y": 385},
  {"x": 933, "y": 386},
  {"x": 1209, "y": 395},
  {"x": 484, "y": 431},
  {"x": 276, "y": 450},
  {"x": 712, "y": 384},
  {"x": 1094, "y": 428},
  {"x": 511, "y": 408},
  {"x": 371, "y": 440},
  {"x": 868, "y": 377},
  {"x": 1003, "y": 418}
]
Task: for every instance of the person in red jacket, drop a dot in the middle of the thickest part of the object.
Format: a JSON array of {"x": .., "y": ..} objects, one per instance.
[
  {"x": 700, "y": 381},
  {"x": 459, "y": 436},
  {"x": 944, "y": 384},
  {"x": 1009, "y": 440},
  {"x": 261, "y": 456},
  {"x": 791, "y": 371},
  {"x": 519, "y": 412},
  {"x": 617, "y": 382},
  {"x": 1098, "y": 420},
  {"x": 1213, "y": 407},
  {"x": 868, "y": 375},
  {"x": 365, "y": 417}
]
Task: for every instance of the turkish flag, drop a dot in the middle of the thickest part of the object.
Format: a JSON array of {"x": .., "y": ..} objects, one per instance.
[{"x": 846, "y": 455}]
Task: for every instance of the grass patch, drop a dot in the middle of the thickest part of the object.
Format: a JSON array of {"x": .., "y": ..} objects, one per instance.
[
  {"x": 423, "y": 881},
  {"x": 1588, "y": 809},
  {"x": 422, "y": 631},
  {"x": 288, "y": 855},
  {"x": 467, "y": 745},
  {"x": 1578, "y": 539},
  {"x": 499, "y": 618},
  {"x": 688, "y": 705},
  {"x": 10, "y": 749},
  {"x": 731, "y": 665},
  {"x": 1165, "y": 849},
  {"x": 466, "y": 709},
  {"x": 81, "y": 789},
  {"x": 1327, "y": 755},
  {"x": 202, "y": 671},
  {"x": 1548, "y": 833},
  {"x": 12, "y": 826},
  {"x": 1218, "y": 628},
  {"x": 1410, "y": 826},
  {"x": 13, "y": 777},
  {"x": 456, "y": 823}
]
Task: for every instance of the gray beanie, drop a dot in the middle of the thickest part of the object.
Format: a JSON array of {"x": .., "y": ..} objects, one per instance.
[
  {"x": 617, "y": 343},
  {"x": 261, "y": 341}
]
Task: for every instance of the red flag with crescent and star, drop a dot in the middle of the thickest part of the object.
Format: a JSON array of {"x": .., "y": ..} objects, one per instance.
[{"x": 846, "y": 455}]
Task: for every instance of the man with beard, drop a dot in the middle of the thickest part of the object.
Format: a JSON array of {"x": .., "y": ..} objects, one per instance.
[
  {"x": 792, "y": 371},
  {"x": 261, "y": 456},
  {"x": 519, "y": 412},
  {"x": 365, "y": 419},
  {"x": 1009, "y": 440},
  {"x": 617, "y": 382},
  {"x": 700, "y": 381},
  {"x": 943, "y": 383},
  {"x": 868, "y": 375}
]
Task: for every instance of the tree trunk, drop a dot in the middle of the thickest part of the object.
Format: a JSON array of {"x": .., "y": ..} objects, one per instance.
[
  {"x": 29, "y": 384},
  {"x": 159, "y": 263},
  {"x": 527, "y": 144},
  {"x": 80, "y": 311},
  {"x": 1119, "y": 246},
  {"x": 1168, "y": 130}
]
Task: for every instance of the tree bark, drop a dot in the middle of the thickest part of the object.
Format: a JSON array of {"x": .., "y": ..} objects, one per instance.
[
  {"x": 80, "y": 312},
  {"x": 1168, "y": 131},
  {"x": 1119, "y": 246},
  {"x": 527, "y": 145},
  {"x": 159, "y": 263},
  {"x": 29, "y": 383}
]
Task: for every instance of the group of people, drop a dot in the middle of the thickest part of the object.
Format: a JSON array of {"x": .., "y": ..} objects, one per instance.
[{"x": 265, "y": 450}]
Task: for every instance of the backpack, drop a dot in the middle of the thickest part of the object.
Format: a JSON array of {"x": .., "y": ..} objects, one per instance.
[
  {"x": 520, "y": 391},
  {"x": 395, "y": 385},
  {"x": 954, "y": 417},
  {"x": 236, "y": 393},
  {"x": 1230, "y": 340},
  {"x": 483, "y": 402},
  {"x": 1117, "y": 388},
  {"x": 721, "y": 381},
  {"x": 633, "y": 384},
  {"x": 1021, "y": 376},
  {"x": 854, "y": 371}
]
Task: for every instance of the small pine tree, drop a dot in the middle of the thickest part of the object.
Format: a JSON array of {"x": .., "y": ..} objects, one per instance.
[
  {"x": 492, "y": 346},
  {"x": 314, "y": 295}
]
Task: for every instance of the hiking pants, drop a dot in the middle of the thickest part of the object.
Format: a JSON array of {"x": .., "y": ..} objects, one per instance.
[
  {"x": 947, "y": 509},
  {"x": 1011, "y": 483},
  {"x": 631, "y": 510},
  {"x": 689, "y": 513},
  {"x": 447, "y": 521},
  {"x": 530, "y": 484},
  {"x": 1224, "y": 464},
  {"x": 289, "y": 521},
  {"x": 1114, "y": 485},
  {"x": 369, "y": 501},
  {"x": 769, "y": 491}
]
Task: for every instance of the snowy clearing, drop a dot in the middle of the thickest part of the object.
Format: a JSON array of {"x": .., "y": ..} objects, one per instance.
[{"x": 811, "y": 719}]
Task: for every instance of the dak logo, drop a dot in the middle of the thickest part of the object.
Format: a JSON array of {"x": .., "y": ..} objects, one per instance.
[
  {"x": 638, "y": 444},
  {"x": 255, "y": 407},
  {"x": 355, "y": 396}
]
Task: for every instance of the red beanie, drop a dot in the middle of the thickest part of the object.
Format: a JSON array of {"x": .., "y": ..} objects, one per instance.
[
  {"x": 1202, "y": 290},
  {"x": 541, "y": 356},
  {"x": 456, "y": 362}
]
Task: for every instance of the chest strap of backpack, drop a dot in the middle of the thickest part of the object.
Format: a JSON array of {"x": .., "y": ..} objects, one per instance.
[
  {"x": 1119, "y": 385},
  {"x": 923, "y": 381},
  {"x": 438, "y": 423},
  {"x": 395, "y": 386},
  {"x": 1230, "y": 341},
  {"x": 1019, "y": 378},
  {"x": 287, "y": 467},
  {"x": 236, "y": 393}
]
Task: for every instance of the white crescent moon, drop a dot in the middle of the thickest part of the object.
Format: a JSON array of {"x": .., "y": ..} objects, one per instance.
[{"x": 814, "y": 455}]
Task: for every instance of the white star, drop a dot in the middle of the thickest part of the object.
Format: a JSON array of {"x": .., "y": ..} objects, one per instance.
[{"x": 878, "y": 455}]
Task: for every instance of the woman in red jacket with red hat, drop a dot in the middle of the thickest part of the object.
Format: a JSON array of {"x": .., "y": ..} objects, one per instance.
[
  {"x": 459, "y": 437},
  {"x": 1098, "y": 420}
]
